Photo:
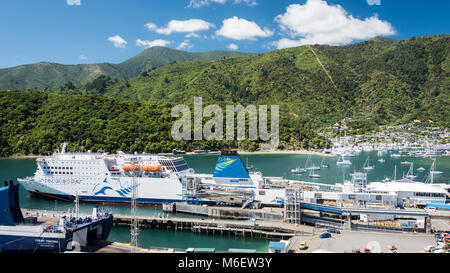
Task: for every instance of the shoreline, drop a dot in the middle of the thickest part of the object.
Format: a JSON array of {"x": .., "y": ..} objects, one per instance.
[
  {"x": 21, "y": 156},
  {"x": 301, "y": 152}
]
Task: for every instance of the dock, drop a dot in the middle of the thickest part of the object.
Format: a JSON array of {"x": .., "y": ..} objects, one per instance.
[
  {"x": 224, "y": 227},
  {"x": 244, "y": 228}
]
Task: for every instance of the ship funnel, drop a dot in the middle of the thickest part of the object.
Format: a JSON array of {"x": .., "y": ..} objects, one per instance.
[{"x": 230, "y": 165}]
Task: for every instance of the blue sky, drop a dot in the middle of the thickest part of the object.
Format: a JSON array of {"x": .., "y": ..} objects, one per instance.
[{"x": 92, "y": 31}]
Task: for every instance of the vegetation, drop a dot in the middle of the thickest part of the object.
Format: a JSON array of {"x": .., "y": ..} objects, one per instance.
[
  {"x": 37, "y": 122},
  {"x": 380, "y": 81},
  {"x": 51, "y": 75}
]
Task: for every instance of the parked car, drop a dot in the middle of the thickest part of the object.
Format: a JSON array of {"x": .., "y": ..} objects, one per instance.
[
  {"x": 325, "y": 235},
  {"x": 367, "y": 250},
  {"x": 429, "y": 248},
  {"x": 303, "y": 245},
  {"x": 392, "y": 247},
  {"x": 334, "y": 230}
]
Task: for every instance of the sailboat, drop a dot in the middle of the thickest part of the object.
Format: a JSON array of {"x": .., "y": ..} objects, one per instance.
[
  {"x": 249, "y": 168},
  {"x": 313, "y": 175},
  {"x": 323, "y": 165},
  {"x": 344, "y": 162},
  {"x": 313, "y": 167},
  {"x": 434, "y": 171},
  {"x": 367, "y": 167},
  {"x": 298, "y": 170},
  {"x": 410, "y": 173}
]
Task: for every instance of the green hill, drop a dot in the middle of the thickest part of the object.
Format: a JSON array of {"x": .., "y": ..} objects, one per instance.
[
  {"x": 37, "y": 122},
  {"x": 51, "y": 75},
  {"x": 379, "y": 81}
]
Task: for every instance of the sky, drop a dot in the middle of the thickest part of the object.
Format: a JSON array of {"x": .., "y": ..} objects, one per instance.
[{"x": 95, "y": 31}]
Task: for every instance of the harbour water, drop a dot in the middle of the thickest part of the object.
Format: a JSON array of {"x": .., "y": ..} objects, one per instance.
[{"x": 268, "y": 164}]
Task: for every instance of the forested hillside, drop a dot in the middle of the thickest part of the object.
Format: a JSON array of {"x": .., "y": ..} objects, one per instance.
[
  {"x": 382, "y": 80},
  {"x": 37, "y": 122}
]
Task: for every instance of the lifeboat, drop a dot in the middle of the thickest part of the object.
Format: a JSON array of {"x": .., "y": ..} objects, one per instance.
[
  {"x": 129, "y": 168},
  {"x": 154, "y": 168}
]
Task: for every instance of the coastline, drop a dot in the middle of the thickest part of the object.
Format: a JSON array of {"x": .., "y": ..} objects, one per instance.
[
  {"x": 301, "y": 152},
  {"x": 21, "y": 156}
]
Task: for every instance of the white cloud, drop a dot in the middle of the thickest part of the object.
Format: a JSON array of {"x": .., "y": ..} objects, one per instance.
[
  {"x": 148, "y": 44},
  {"x": 191, "y": 25},
  {"x": 201, "y": 3},
  {"x": 83, "y": 57},
  {"x": 241, "y": 29},
  {"x": 233, "y": 47},
  {"x": 73, "y": 2},
  {"x": 316, "y": 22},
  {"x": 118, "y": 41},
  {"x": 186, "y": 44},
  {"x": 151, "y": 26},
  {"x": 192, "y": 35}
]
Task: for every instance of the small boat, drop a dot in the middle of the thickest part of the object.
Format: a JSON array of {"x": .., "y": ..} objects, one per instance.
[
  {"x": 249, "y": 168},
  {"x": 366, "y": 166},
  {"x": 421, "y": 169},
  {"x": 313, "y": 175},
  {"x": 433, "y": 170},
  {"x": 313, "y": 167},
  {"x": 344, "y": 162},
  {"x": 410, "y": 174},
  {"x": 396, "y": 155},
  {"x": 298, "y": 170},
  {"x": 323, "y": 165},
  {"x": 381, "y": 160},
  {"x": 405, "y": 163}
]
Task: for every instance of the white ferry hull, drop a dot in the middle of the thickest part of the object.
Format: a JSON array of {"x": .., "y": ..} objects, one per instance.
[{"x": 110, "y": 190}]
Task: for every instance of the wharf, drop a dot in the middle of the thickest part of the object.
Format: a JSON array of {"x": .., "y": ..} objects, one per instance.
[
  {"x": 109, "y": 247},
  {"x": 236, "y": 213},
  {"x": 256, "y": 229}
]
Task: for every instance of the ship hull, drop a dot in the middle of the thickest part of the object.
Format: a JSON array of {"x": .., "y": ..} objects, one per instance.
[
  {"x": 24, "y": 244},
  {"x": 105, "y": 199}
]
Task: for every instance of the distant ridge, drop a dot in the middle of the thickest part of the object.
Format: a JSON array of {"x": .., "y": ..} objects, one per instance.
[{"x": 46, "y": 75}]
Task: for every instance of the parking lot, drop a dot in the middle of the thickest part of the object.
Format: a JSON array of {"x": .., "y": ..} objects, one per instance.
[{"x": 377, "y": 242}]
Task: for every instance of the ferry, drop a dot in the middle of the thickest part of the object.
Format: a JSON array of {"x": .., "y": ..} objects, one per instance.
[
  {"x": 111, "y": 179},
  {"x": 19, "y": 234},
  {"x": 101, "y": 178}
]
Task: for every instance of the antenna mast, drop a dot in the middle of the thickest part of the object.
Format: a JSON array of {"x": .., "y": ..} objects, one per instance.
[{"x": 134, "y": 220}]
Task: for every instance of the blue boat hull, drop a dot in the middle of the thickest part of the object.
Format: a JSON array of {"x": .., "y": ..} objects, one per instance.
[{"x": 21, "y": 244}]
